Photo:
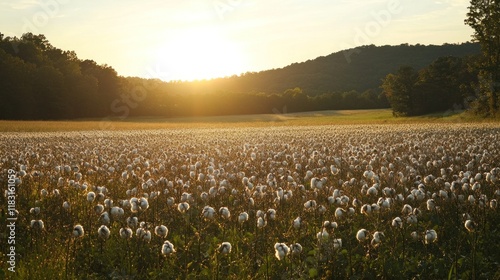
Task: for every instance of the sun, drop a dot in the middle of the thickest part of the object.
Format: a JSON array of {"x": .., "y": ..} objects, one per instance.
[{"x": 200, "y": 54}]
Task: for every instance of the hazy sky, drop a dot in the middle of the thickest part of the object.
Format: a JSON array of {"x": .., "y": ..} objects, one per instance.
[{"x": 191, "y": 39}]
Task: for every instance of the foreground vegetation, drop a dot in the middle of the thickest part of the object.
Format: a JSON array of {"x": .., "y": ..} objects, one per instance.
[{"x": 362, "y": 201}]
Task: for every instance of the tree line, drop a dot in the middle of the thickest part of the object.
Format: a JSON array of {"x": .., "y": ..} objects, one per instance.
[
  {"x": 40, "y": 81},
  {"x": 453, "y": 82},
  {"x": 447, "y": 83}
]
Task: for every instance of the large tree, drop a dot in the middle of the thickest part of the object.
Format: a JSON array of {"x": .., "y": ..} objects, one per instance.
[
  {"x": 484, "y": 18},
  {"x": 400, "y": 91}
]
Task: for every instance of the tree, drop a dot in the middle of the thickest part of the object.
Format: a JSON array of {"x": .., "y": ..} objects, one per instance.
[
  {"x": 484, "y": 18},
  {"x": 445, "y": 83},
  {"x": 400, "y": 91}
]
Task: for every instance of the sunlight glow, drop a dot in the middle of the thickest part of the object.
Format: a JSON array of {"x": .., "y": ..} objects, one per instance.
[{"x": 200, "y": 54}]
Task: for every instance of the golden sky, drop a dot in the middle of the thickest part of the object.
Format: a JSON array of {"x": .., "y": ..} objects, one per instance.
[{"x": 198, "y": 39}]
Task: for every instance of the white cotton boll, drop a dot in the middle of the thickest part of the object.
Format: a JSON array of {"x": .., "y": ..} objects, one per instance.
[
  {"x": 331, "y": 200},
  {"x": 351, "y": 211},
  {"x": 90, "y": 197},
  {"x": 103, "y": 232},
  {"x": 384, "y": 169},
  {"x": 104, "y": 218},
  {"x": 385, "y": 203},
  {"x": 314, "y": 181},
  {"x": 356, "y": 202},
  {"x": 143, "y": 203},
  {"x": 431, "y": 205},
  {"x": 260, "y": 213},
  {"x": 339, "y": 212},
  {"x": 132, "y": 222},
  {"x": 261, "y": 222},
  {"x": 470, "y": 225},
  {"x": 337, "y": 243},
  {"x": 411, "y": 219},
  {"x": 326, "y": 224},
  {"x": 37, "y": 225},
  {"x": 478, "y": 177},
  {"x": 183, "y": 207},
  {"x": 243, "y": 217},
  {"x": 281, "y": 250},
  {"x": 167, "y": 248},
  {"x": 309, "y": 174},
  {"x": 224, "y": 248},
  {"x": 66, "y": 205},
  {"x": 368, "y": 174},
  {"x": 410, "y": 197},
  {"x": 224, "y": 212},
  {"x": 35, "y": 210},
  {"x": 161, "y": 231},
  {"x": 388, "y": 191},
  {"x": 186, "y": 197},
  {"x": 334, "y": 170},
  {"x": 297, "y": 222},
  {"x": 310, "y": 204},
  {"x": 108, "y": 203},
  {"x": 251, "y": 202},
  {"x": 366, "y": 209},
  {"x": 212, "y": 191},
  {"x": 407, "y": 209},
  {"x": 362, "y": 235},
  {"x": 430, "y": 236},
  {"x": 323, "y": 235},
  {"x": 100, "y": 197},
  {"x": 117, "y": 212},
  {"x": 377, "y": 238},
  {"x": 170, "y": 201},
  {"x": 204, "y": 196},
  {"x": 295, "y": 249},
  {"x": 208, "y": 212},
  {"x": 126, "y": 233},
  {"x": 344, "y": 200},
  {"x": 78, "y": 231},
  {"x": 143, "y": 234},
  {"x": 397, "y": 222},
  {"x": 98, "y": 209},
  {"x": 271, "y": 214},
  {"x": 419, "y": 195},
  {"x": 493, "y": 204},
  {"x": 372, "y": 191},
  {"x": 443, "y": 194}
]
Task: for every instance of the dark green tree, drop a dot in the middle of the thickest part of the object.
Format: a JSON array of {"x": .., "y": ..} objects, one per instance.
[
  {"x": 446, "y": 83},
  {"x": 400, "y": 91},
  {"x": 484, "y": 18}
]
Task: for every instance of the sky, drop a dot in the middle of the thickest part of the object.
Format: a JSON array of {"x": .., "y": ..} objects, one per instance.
[{"x": 203, "y": 39}]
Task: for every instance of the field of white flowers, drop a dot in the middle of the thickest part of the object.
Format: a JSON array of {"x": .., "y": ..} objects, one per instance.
[{"x": 319, "y": 202}]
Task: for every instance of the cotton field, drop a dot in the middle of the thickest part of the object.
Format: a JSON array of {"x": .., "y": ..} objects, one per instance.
[{"x": 312, "y": 202}]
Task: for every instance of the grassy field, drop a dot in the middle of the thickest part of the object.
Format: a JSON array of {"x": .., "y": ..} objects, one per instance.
[{"x": 381, "y": 116}]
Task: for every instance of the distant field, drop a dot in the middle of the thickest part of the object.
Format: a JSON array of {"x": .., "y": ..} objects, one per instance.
[{"x": 293, "y": 119}]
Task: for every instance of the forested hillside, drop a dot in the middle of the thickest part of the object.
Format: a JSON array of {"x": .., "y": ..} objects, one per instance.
[
  {"x": 358, "y": 69},
  {"x": 41, "y": 81}
]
